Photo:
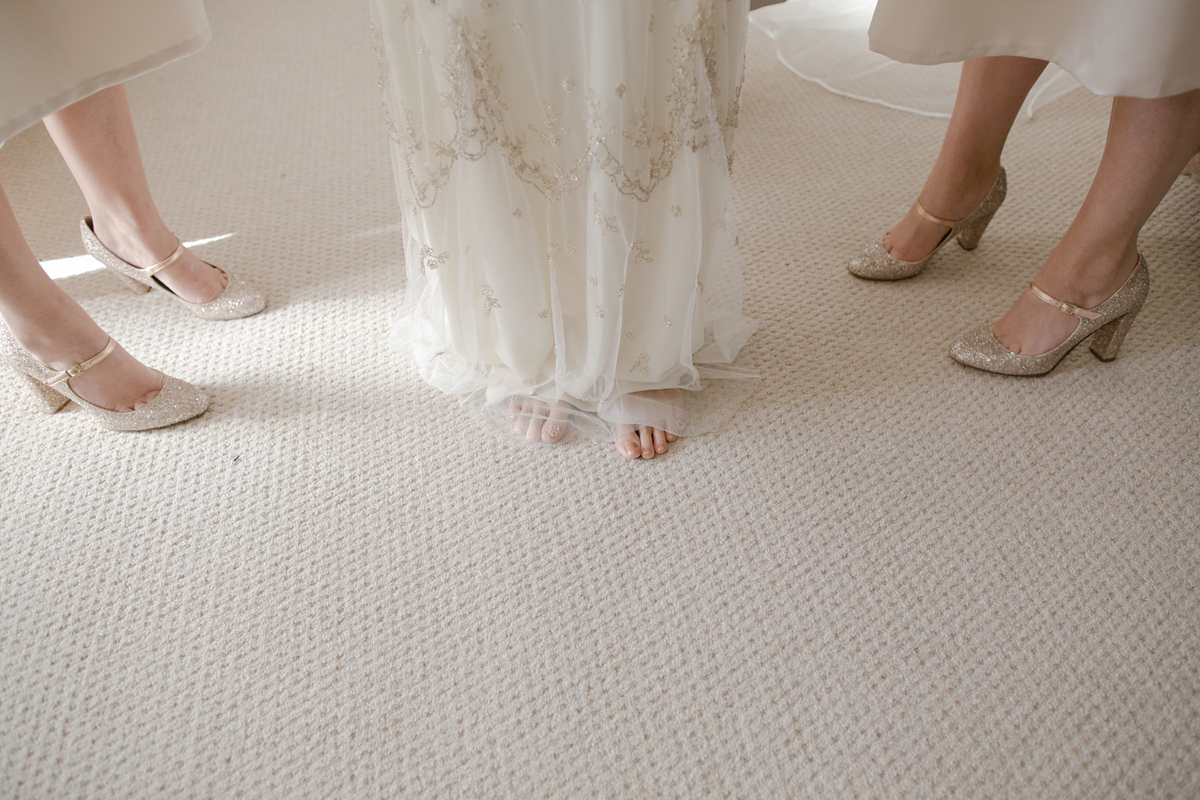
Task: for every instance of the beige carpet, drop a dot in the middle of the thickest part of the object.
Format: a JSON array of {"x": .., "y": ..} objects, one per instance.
[{"x": 891, "y": 577}]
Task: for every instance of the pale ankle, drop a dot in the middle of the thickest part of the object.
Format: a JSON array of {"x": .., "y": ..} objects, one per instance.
[
  {"x": 1086, "y": 281},
  {"x": 956, "y": 195},
  {"x": 134, "y": 238},
  {"x": 59, "y": 333}
]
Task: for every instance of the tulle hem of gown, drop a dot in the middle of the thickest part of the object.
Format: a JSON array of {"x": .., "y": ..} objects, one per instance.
[
  {"x": 719, "y": 378},
  {"x": 825, "y": 42}
]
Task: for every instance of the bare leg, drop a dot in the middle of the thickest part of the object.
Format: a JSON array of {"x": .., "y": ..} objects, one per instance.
[
  {"x": 1149, "y": 142},
  {"x": 53, "y": 327},
  {"x": 97, "y": 140},
  {"x": 990, "y": 94}
]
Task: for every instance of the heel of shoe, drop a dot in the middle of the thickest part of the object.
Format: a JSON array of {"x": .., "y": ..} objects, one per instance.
[
  {"x": 1106, "y": 342},
  {"x": 973, "y": 227},
  {"x": 46, "y": 399},
  {"x": 130, "y": 284},
  {"x": 972, "y": 230}
]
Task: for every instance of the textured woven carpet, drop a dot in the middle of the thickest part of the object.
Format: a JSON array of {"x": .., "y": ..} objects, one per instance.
[{"x": 889, "y": 577}]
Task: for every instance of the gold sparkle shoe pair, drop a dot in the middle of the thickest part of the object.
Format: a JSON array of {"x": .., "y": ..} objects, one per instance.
[
  {"x": 238, "y": 299},
  {"x": 1106, "y": 324},
  {"x": 877, "y": 264},
  {"x": 175, "y": 402}
]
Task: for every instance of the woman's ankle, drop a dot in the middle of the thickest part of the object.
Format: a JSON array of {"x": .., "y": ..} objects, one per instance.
[
  {"x": 956, "y": 193},
  {"x": 57, "y": 331},
  {"x": 141, "y": 238},
  {"x": 1087, "y": 277}
]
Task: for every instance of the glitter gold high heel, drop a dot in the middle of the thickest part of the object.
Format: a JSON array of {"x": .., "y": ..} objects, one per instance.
[
  {"x": 1107, "y": 324},
  {"x": 238, "y": 299},
  {"x": 1193, "y": 168},
  {"x": 877, "y": 264},
  {"x": 175, "y": 402}
]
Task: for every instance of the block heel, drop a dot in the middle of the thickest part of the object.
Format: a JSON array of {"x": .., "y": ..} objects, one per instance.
[
  {"x": 1106, "y": 342},
  {"x": 45, "y": 398},
  {"x": 973, "y": 230}
]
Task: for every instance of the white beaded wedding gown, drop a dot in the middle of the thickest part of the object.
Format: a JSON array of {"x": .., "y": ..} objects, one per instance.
[{"x": 563, "y": 168}]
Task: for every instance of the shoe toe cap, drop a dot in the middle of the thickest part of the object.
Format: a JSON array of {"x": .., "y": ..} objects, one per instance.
[
  {"x": 875, "y": 263},
  {"x": 239, "y": 300},
  {"x": 979, "y": 348}
]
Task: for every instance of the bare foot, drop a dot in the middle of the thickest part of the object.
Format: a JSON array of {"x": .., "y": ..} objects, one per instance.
[
  {"x": 192, "y": 279},
  {"x": 65, "y": 335},
  {"x": 647, "y": 441},
  {"x": 1032, "y": 327},
  {"x": 538, "y": 420},
  {"x": 914, "y": 237}
]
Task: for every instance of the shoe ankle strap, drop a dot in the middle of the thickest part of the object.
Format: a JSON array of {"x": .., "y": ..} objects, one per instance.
[
  {"x": 1063, "y": 306},
  {"x": 936, "y": 220},
  {"x": 78, "y": 369},
  {"x": 168, "y": 261}
]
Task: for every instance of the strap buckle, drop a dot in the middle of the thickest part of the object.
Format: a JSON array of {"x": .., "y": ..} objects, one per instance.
[
  {"x": 1067, "y": 308},
  {"x": 1063, "y": 305}
]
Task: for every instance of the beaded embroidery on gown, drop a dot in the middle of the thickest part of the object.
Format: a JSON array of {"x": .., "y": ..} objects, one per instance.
[{"x": 563, "y": 168}]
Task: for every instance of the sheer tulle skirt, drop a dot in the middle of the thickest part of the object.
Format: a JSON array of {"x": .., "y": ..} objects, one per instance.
[
  {"x": 564, "y": 177},
  {"x": 826, "y": 42}
]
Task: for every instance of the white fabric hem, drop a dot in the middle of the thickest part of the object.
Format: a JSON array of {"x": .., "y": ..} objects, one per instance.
[{"x": 34, "y": 114}]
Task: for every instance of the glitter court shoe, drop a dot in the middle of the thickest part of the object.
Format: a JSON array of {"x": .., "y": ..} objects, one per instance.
[
  {"x": 1107, "y": 324},
  {"x": 238, "y": 299},
  {"x": 176, "y": 401},
  {"x": 877, "y": 264}
]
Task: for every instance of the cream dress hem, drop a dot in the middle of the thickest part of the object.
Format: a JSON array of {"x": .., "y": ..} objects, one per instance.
[
  {"x": 56, "y": 52},
  {"x": 1113, "y": 47}
]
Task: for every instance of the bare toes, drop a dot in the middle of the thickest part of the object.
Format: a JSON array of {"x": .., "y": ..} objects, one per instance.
[
  {"x": 534, "y": 433},
  {"x": 523, "y": 417},
  {"x": 556, "y": 424},
  {"x": 647, "y": 442},
  {"x": 627, "y": 442}
]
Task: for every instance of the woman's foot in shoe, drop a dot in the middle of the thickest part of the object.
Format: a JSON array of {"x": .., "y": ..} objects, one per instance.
[
  {"x": 949, "y": 197},
  {"x": 188, "y": 277},
  {"x": 1032, "y": 327},
  {"x": 61, "y": 335},
  {"x": 665, "y": 408}
]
